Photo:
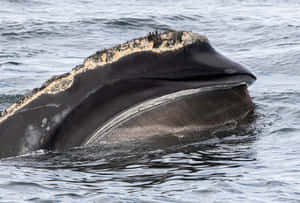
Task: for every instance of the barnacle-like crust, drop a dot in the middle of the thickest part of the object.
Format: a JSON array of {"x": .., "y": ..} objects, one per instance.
[{"x": 155, "y": 42}]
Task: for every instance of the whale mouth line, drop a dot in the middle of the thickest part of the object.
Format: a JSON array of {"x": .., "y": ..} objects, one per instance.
[
  {"x": 248, "y": 78},
  {"x": 151, "y": 104}
]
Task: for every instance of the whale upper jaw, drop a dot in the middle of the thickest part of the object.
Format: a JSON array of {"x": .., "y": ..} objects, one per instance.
[{"x": 198, "y": 62}]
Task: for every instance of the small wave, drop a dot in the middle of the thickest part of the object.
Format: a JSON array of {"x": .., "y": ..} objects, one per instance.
[
  {"x": 12, "y": 30},
  {"x": 27, "y": 2},
  {"x": 9, "y": 55},
  {"x": 11, "y": 63},
  {"x": 29, "y": 34},
  {"x": 20, "y": 185},
  {"x": 285, "y": 130},
  {"x": 239, "y": 18},
  {"x": 16, "y": 70},
  {"x": 288, "y": 44},
  {"x": 136, "y": 23},
  {"x": 183, "y": 17},
  {"x": 288, "y": 97},
  {"x": 92, "y": 21}
]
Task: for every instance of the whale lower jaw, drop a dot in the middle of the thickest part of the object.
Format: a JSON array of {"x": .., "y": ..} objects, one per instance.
[{"x": 191, "y": 110}]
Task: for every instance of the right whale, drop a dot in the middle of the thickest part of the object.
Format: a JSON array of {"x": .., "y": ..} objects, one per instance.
[{"x": 170, "y": 83}]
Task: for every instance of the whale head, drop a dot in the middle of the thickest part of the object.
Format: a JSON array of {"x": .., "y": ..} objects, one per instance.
[{"x": 113, "y": 86}]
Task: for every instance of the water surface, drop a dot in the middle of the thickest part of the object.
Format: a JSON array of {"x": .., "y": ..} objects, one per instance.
[{"x": 257, "y": 162}]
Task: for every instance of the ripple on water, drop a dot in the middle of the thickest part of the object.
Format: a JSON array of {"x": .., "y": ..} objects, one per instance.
[
  {"x": 136, "y": 23},
  {"x": 14, "y": 63},
  {"x": 29, "y": 30}
]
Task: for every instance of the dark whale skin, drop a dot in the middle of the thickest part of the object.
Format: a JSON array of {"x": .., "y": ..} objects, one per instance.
[
  {"x": 70, "y": 118},
  {"x": 176, "y": 116}
]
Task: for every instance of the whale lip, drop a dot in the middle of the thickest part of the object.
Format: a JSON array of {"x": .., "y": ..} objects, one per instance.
[
  {"x": 154, "y": 103},
  {"x": 247, "y": 78},
  {"x": 200, "y": 80}
]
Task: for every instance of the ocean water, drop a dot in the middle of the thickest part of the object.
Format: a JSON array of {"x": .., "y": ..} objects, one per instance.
[{"x": 257, "y": 162}]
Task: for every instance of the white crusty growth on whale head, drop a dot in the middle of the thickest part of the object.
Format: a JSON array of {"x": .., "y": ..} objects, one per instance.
[{"x": 155, "y": 42}]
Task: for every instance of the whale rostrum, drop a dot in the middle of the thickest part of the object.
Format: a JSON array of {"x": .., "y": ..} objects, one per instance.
[{"x": 163, "y": 83}]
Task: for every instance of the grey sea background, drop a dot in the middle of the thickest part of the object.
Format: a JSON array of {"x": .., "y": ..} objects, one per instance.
[{"x": 257, "y": 162}]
